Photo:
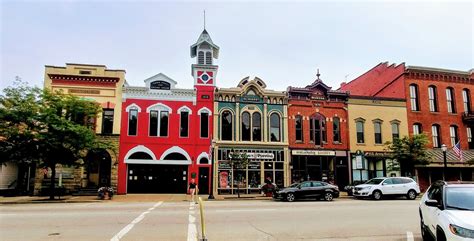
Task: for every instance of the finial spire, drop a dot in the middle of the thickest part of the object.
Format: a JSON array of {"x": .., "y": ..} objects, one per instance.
[
  {"x": 204, "y": 19},
  {"x": 318, "y": 74}
]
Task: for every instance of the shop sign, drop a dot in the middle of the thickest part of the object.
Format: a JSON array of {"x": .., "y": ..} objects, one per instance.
[
  {"x": 251, "y": 155},
  {"x": 359, "y": 160},
  {"x": 312, "y": 153},
  {"x": 224, "y": 165},
  {"x": 266, "y": 156},
  {"x": 250, "y": 98},
  {"x": 377, "y": 154}
]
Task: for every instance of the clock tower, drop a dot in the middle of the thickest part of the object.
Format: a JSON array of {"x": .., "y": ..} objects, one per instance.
[{"x": 205, "y": 51}]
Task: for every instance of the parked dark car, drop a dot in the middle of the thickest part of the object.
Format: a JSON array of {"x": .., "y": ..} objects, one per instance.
[{"x": 308, "y": 190}]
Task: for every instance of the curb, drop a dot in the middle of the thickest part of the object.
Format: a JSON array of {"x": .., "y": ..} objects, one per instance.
[{"x": 54, "y": 201}]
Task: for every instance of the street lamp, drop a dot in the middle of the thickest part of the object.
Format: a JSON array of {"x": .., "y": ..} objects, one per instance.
[{"x": 444, "y": 148}]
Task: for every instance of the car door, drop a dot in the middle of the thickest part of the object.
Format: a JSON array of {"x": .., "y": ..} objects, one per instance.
[
  {"x": 430, "y": 213},
  {"x": 317, "y": 189},
  {"x": 398, "y": 186},
  {"x": 305, "y": 190},
  {"x": 387, "y": 186}
]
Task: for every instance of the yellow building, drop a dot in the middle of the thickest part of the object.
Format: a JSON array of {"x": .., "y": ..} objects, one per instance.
[
  {"x": 104, "y": 86},
  {"x": 372, "y": 122}
]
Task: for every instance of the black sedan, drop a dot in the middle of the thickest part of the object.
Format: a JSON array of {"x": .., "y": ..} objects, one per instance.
[{"x": 308, "y": 190}]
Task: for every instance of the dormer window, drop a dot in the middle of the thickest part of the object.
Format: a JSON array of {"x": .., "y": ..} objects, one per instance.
[
  {"x": 201, "y": 57},
  {"x": 208, "y": 58}
]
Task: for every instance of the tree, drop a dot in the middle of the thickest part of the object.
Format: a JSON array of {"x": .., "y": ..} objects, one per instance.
[
  {"x": 47, "y": 127},
  {"x": 238, "y": 160},
  {"x": 409, "y": 151}
]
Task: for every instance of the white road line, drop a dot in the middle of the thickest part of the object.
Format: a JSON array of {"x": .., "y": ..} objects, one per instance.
[
  {"x": 410, "y": 236},
  {"x": 244, "y": 210},
  {"x": 129, "y": 227},
  {"x": 192, "y": 229}
]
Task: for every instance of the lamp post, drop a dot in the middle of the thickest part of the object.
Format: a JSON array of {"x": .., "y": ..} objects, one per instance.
[
  {"x": 444, "y": 148},
  {"x": 211, "y": 192}
]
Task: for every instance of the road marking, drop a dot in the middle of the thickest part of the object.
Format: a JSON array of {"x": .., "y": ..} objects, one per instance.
[
  {"x": 410, "y": 236},
  {"x": 192, "y": 229},
  {"x": 245, "y": 210},
  {"x": 129, "y": 227}
]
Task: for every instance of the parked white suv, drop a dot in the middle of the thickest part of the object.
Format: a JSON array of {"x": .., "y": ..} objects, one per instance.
[
  {"x": 384, "y": 186},
  {"x": 447, "y": 211}
]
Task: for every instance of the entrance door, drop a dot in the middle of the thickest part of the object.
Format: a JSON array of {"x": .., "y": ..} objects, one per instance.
[
  {"x": 105, "y": 166},
  {"x": 203, "y": 182},
  {"x": 145, "y": 178}
]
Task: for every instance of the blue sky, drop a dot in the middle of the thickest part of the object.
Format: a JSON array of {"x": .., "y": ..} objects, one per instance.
[{"x": 281, "y": 42}]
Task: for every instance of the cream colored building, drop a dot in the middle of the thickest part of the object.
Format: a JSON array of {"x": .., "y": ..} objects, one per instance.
[
  {"x": 373, "y": 122},
  {"x": 104, "y": 86}
]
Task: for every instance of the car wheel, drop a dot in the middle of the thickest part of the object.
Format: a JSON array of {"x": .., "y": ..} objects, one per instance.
[
  {"x": 290, "y": 197},
  {"x": 411, "y": 195},
  {"x": 328, "y": 196},
  {"x": 440, "y": 235},
  {"x": 377, "y": 195}
]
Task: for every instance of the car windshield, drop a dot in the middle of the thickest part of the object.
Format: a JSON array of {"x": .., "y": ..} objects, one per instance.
[
  {"x": 460, "y": 198},
  {"x": 294, "y": 185},
  {"x": 374, "y": 181}
]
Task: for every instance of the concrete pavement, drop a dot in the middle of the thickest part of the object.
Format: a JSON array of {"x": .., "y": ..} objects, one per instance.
[{"x": 131, "y": 198}]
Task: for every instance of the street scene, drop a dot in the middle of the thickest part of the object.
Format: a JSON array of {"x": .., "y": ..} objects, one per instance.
[
  {"x": 342, "y": 219},
  {"x": 236, "y": 120}
]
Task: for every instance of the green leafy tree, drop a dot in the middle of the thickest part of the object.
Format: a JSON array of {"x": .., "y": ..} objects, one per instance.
[
  {"x": 238, "y": 160},
  {"x": 409, "y": 151},
  {"x": 46, "y": 127}
]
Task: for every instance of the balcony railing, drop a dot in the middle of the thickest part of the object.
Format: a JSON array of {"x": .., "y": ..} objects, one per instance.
[{"x": 468, "y": 116}]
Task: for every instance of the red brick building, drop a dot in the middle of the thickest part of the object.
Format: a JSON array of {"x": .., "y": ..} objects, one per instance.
[
  {"x": 318, "y": 133},
  {"x": 439, "y": 104},
  {"x": 166, "y": 131}
]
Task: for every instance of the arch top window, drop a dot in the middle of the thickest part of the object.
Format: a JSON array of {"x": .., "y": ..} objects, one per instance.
[
  {"x": 450, "y": 100},
  {"x": 378, "y": 132},
  {"x": 299, "y": 128},
  {"x": 336, "y": 128},
  {"x": 226, "y": 126},
  {"x": 251, "y": 126},
  {"x": 433, "y": 98},
  {"x": 275, "y": 127},
  {"x": 360, "y": 130},
  {"x": 466, "y": 98},
  {"x": 435, "y": 133},
  {"x": 414, "y": 98},
  {"x": 317, "y": 129},
  {"x": 417, "y": 129}
]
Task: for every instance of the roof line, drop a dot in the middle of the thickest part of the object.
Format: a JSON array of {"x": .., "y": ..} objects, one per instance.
[
  {"x": 390, "y": 83},
  {"x": 386, "y": 62}
]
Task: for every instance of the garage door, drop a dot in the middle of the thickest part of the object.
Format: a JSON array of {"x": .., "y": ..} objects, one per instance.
[{"x": 145, "y": 178}]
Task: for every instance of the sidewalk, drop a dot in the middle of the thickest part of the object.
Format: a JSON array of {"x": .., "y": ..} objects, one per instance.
[{"x": 134, "y": 198}]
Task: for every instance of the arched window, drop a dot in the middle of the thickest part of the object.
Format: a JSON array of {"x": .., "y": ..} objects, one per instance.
[
  {"x": 226, "y": 126},
  {"x": 336, "y": 128},
  {"x": 453, "y": 133},
  {"x": 184, "y": 123},
  {"x": 395, "y": 130},
  {"x": 466, "y": 99},
  {"x": 245, "y": 126},
  {"x": 299, "y": 128},
  {"x": 140, "y": 156},
  {"x": 275, "y": 127},
  {"x": 414, "y": 97},
  {"x": 417, "y": 129},
  {"x": 132, "y": 121},
  {"x": 435, "y": 133},
  {"x": 201, "y": 57},
  {"x": 208, "y": 58},
  {"x": 317, "y": 129},
  {"x": 433, "y": 98},
  {"x": 450, "y": 100},
  {"x": 256, "y": 127}
]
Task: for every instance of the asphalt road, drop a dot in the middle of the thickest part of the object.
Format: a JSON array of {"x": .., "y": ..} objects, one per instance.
[{"x": 342, "y": 219}]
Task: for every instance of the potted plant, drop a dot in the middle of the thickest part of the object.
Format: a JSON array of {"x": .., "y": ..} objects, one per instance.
[{"x": 105, "y": 193}]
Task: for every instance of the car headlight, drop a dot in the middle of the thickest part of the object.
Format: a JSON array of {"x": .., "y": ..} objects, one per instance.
[
  {"x": 367, "y": 188},
  {"x": 460, "y": 231}
]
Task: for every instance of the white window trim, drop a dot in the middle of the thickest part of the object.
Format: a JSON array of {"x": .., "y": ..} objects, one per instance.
[
  {"x": 203, "y": 155},
  {"x": 185, "y": 109},
  {"x": 208, "y": 124},
  {"x": 140, "y": 148},
  {"x": 128, "y": 120},
  {"x": 159, "y": 107},
  {"x": 176, "y": 149},
  {"x": 181, "y": 110},
  {"x": 204, "y": 110},
  {"x": 133, "y": 106},
  {"x": 159, "y": 123}
]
